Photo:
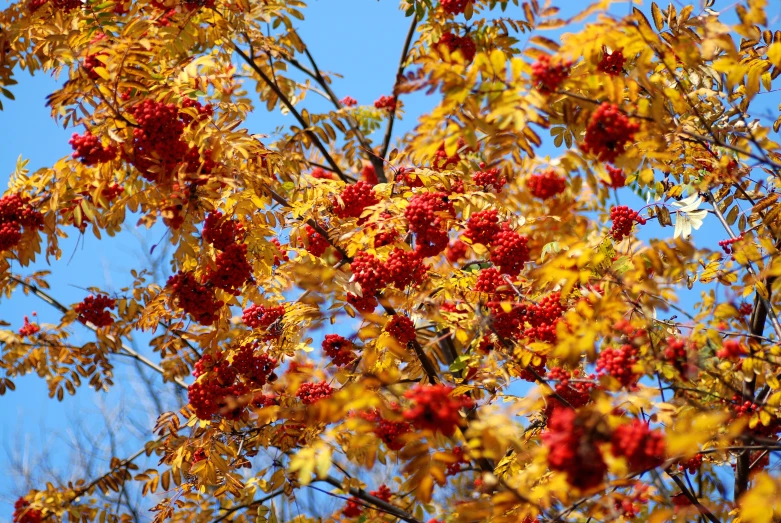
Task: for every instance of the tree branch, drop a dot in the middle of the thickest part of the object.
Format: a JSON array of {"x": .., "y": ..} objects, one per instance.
[{"x": 402, "y": 63}]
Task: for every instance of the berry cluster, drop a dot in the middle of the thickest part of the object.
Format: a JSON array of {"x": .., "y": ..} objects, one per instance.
[
  {"x": 386, "y": 103},
  {"x": 426, "y": 214},
  {"x": 547, "y": 76},
  {"x": 482, "y": 226},
  {"x": 509, "y": 251},
  {"x": 369, "y": 175},
  {"x": 16, "y": 214},
  {"x": 28, "y": 329},
  {"x": 220, "y": 232},
  {"x": 608, "y": 132},
  {"x": 617, "y": 177},
  {"x": 93, "y": 310},
  {"x": 727, "y": 245},
  {"x": 572, "y": 451},
  {"x": 339, "y": 349},
  {"x": 456, "y": 251},
  {"x": 90, "y": 151},
  {"x": 195, "y": 298},
  {"x": 268, "y": 318},
  {"x": 316, "y": 243},
  {"x": 576, "y": 393},
  {"x": 368, "y": 272},
  {"x": 401, "y": 328},
  {"x": 354, "y": 199},
  {"x": 432, "y": 407},
  {"x": 630, "y": 506},
  {"x": 281, "y": 254},
  {"x": 454, "y": 43},
  {"x": 383, "y": 493},
  {"x": 157, "y": 139},
  {"x": 454, "y": 7},
  {"x": 233, "y": 269},
  {"x": 528, "y": 373},
  {"x": 24, "y": 514},
  {"x": 745, "y": 309},
  {"x": 91, "y": 61},
  {"x": 310, "y": 393},
  {"x": 546, "y": 184},
  {"x": 731, "y": 349},
  {"x": 642, "y": 447},
  {"x": 442, "y": 161},
  {"x": 618, "y": 363},
  {"x": 256, "y": 369},
  {"x": 611, "y": 63},
  {"x": 403, "y": 268},
  {"x": 348, "y": 101},
  {"x": 623, "y": 219},
  {"x": 460, "y": 459},
  {"x": 489, "y": 179},
  {"x": 322, "y": 174},
  {"x": 388, "y": 431},
  {"x": 209, "y": 398},
  {"x": 66, "y": 6},
  {"x": 353, "y": 508},
  {"x": 692, "y": 464}
]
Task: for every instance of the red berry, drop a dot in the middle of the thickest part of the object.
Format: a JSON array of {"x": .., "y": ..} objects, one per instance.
[
  {"x": 618, "y": 363},
  {"x": 221, "y": 232},
  {"x": 623, "y": 219},
  {"x": 310, "y": 393},
  {"x": 90, "y": 151},
  {"x": 388, "y": 431},
  {"x": 28, "y": 329},
  {"x": 354, "y": 199},
  {"x": 454, "y": 43},
  {"x": 339, "y": 349},
  {"x": 642, "y": 447},
  {"x": 267, "y": 318},
  {"x": 509, "y": 252},
  {"x": 23, "y": 513},
  {"x": 546, "y": 76},
  {"x": 195, "y": 298},
  {"x": 617, "y": 177},
  {"x": 368, "y": 272},
  {"x": 233, "y": 269},
  {"x": 317, "y": 244},
  {"x": 402, "y": 328},
  {"x": 456, "y": 251},
  {"x": 489, "y": 179},
  {"x": 608, "y": 133},
  {"x": 403, "y": 268},
  {"x": 611, "y": 63},
  {"x": 322, "y": 174},
  {"x": 369, "y": 175},
  {"x": 348, "y": 101},
  {"x": 546, "y": 185},
  {"x": 570, "y": 450},
  {"x": 434, "y": 408},
  {"x": 482, "y": 226},
  {"x": 386, "y": 103},
  {"x": 93, "y": 310},
  {"x": 454, "y": 7}
]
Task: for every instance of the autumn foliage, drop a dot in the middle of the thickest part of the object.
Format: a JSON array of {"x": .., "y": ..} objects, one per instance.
[{"x": 440, "y": 325}]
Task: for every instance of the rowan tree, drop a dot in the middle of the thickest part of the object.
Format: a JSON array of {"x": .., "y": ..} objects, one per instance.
[{"x": 491, "y": 328}]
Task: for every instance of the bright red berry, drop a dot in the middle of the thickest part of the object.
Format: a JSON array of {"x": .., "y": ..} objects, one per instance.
[
  {"x": 546, "y": 184},
  {"x": 608, "y": 133},
  {"x": 354, "y": 199},
  {"x": 434, "y": 408},
  {"x": 93, "y": 310},
  {"x": 547, "y": 76},
  {"x": 195, "y": 298},
  {"x": 642, "y": 447},
  {"x": 454, "y": 43},
  {"x": 90, "y": 151},
  {"x": 402, "y": 328},
  {"x": 482, "y": 226},
  {"x": 611, "y": 63},
  {"x": 623, "y": 219},
  {"x": 617, "y": 177},
  {"x": 310, "y": 393},
  {"x": 339, "y": 349}
]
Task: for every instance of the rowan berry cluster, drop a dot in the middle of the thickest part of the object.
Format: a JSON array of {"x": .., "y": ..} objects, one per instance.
[
  {"x": 528, "y": 373},
  {"x": 745, "y": 309},
  {"x": 383, "y": 493},
  {"x": 617, "y": 177},
  {"x": 547, "y": 76},
  {"x": 676, "y": 353},
  {"x": 28, "y": 329},
  {"x": 509, "y": 252},
  {"x": 619, "y": 363},
  {"x": 213, "y": 396},
  {"x": 433, "y": 407},
  {"x": 401, "y": 328},
  {"x": 456, "y": 251},
  {"x": 692, "y": 464},
  {"x": 348, "y": 101},
  {"x": 489, "y": 179},
  {"x": 310, "y": 393},
  {"x": 232, "y": 270},
  {"x": 454, "y": 43},
  {"x": 93, "y": 310},
  {"x": 316, "y": 243},
  {"x": 158, "y": 136},
  {"x": 66, "y": 6},
  {"x": 90, "y": 151},
  {"x": 546, "y": 185},
  {"x": 369, "y": 175},
  {"x": 731, "y": 349},
  {"x": 91, "y": 61},
  {"x": 481, "y": 227},
  {"x": 23, "y": 513},
  {"x": 611, "y": 63},
  {"x": 221, "y": 232},
  {"x": 195, "y": 298},
  {"x": 388, "y": 431},
  {"x": 322, "y": 174},
  {"x": 571, "y": 386},
  {"x": 572, "y": 451},
  {"x": 353, "y": 508},
  {"x": 339, "y": 349},
  {"x": 608, "y": 132},
  {"x": 16, "y": 215},
  {"x": 623, "y": 219},
  {"x": 460, "y": 459},
  {"x": 386, "y": 103},
  {"x": 727, "y": 245},
  {"x": 281, "y": 254},
  {"x": 368, "y": 272},
  {"x": 354, "y": 199},
  {"x": 454, "y": 7},
  {"x": 643, "y": 448},
  {"x": 630, "y": 506},
  {"x": 268, "y": 318},
  {"x": 403, "y": 268},
  {"x": 256, "y": 369}
]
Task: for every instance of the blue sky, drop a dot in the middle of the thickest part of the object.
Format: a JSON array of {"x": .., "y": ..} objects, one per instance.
[{"x": 360, "y": 39}]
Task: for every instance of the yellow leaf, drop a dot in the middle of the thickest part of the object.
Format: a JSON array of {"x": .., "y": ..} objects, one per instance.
[{"x": 755, "y": 505}]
